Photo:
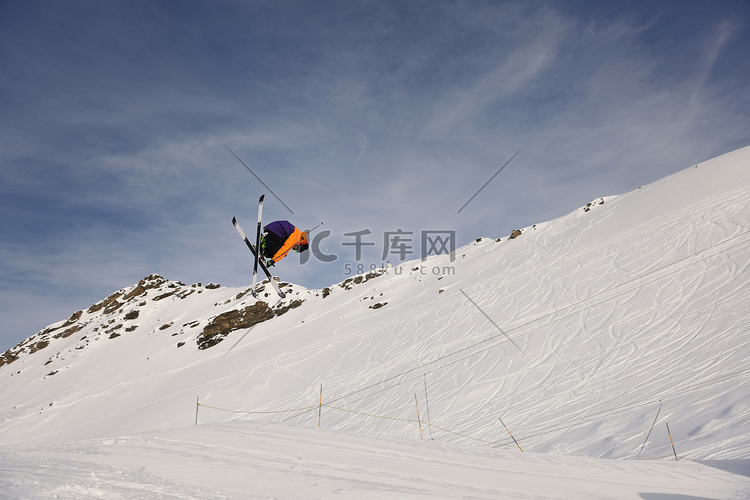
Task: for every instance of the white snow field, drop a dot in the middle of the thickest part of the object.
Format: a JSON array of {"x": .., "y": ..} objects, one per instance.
[{"x": 591, "y": 336}]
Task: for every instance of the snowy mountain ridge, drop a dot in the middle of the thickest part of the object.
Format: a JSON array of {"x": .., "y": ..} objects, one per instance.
[{"x": 587, "y": 335}]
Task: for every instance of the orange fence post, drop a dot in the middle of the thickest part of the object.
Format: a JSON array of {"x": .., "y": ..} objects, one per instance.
[
  {"x": 511, "y": 435},
  {"x": 670, "y": 440}
]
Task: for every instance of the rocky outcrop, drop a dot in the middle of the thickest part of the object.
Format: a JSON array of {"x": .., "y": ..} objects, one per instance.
[
  {"x": 349, "y": 283},
  {"x": 237, "y": 319},
  {"x": 592, "y": 204},
  {"x": 104, "y": 314}
]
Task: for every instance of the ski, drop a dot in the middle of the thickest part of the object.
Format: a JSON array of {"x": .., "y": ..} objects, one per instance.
[
  {"x": 257, "y": 257},
  {"x": 257, "y": 242}
]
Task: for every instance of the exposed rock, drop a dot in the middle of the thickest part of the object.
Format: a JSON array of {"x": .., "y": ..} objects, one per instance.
[
  {"x": 515, "y": 234},
  {"x": 292, "y": 305},
  {"x": 31, "y": 345},
  {"x": 105, "y": 304},
  {"x": 588, "y": 206},
  {"x": 147, "y": 283},
  {"x": 44, "y": 333},
  {"x": 75, "y": 317},
  {"x": 113, "y": 306},
  {"x": 38, "y": 346},
  {"x": 8, "y": 357},
  {"x": 70, "y": 331},
  {"x": 113, "y": 333},
  {"x": 350, "y": 282},
  {"x": 225, "y": 323}
]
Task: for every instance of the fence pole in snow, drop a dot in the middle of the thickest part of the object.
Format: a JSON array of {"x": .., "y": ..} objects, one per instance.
[
  {"x": 421, "y": 436},
  {"x": 649, "y": 432},
  {"x": 429, "y": 423},
  {"x": 511, "y": 435},
  {"x": 320, "y": 406},
  {"x": 670, "y": 440},
  {"x": 197, "y": 405}
]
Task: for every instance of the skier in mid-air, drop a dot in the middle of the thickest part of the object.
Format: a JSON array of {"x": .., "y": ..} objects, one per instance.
[
  {"x": 272, "y": 243},
  {"x": 279, "y": 238}
]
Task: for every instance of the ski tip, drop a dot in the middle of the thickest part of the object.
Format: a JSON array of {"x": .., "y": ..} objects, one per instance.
[
  {"x": 234, "y": 220},
  {"x": 261, "y": 198},
  {"x": 282, "y": 295}
]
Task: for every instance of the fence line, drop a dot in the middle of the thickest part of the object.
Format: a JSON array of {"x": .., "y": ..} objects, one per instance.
[{"x": 437, "y": 427}]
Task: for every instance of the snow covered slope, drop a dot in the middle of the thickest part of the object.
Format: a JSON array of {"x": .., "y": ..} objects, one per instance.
[
  {"x": 587, "y": 335},
  {"x": 248, "y": 460}
]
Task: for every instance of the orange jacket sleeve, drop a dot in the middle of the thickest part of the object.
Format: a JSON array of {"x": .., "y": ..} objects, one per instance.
[{"x": 288, "y": 244}]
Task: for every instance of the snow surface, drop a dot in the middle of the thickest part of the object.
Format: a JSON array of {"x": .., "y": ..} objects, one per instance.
[
  {"x": 587, "y": 335},
  {"x": 240, "y": 460}
]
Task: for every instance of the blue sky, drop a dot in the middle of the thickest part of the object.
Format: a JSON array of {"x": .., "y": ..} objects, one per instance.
[{"x": 115, "y": 118}]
